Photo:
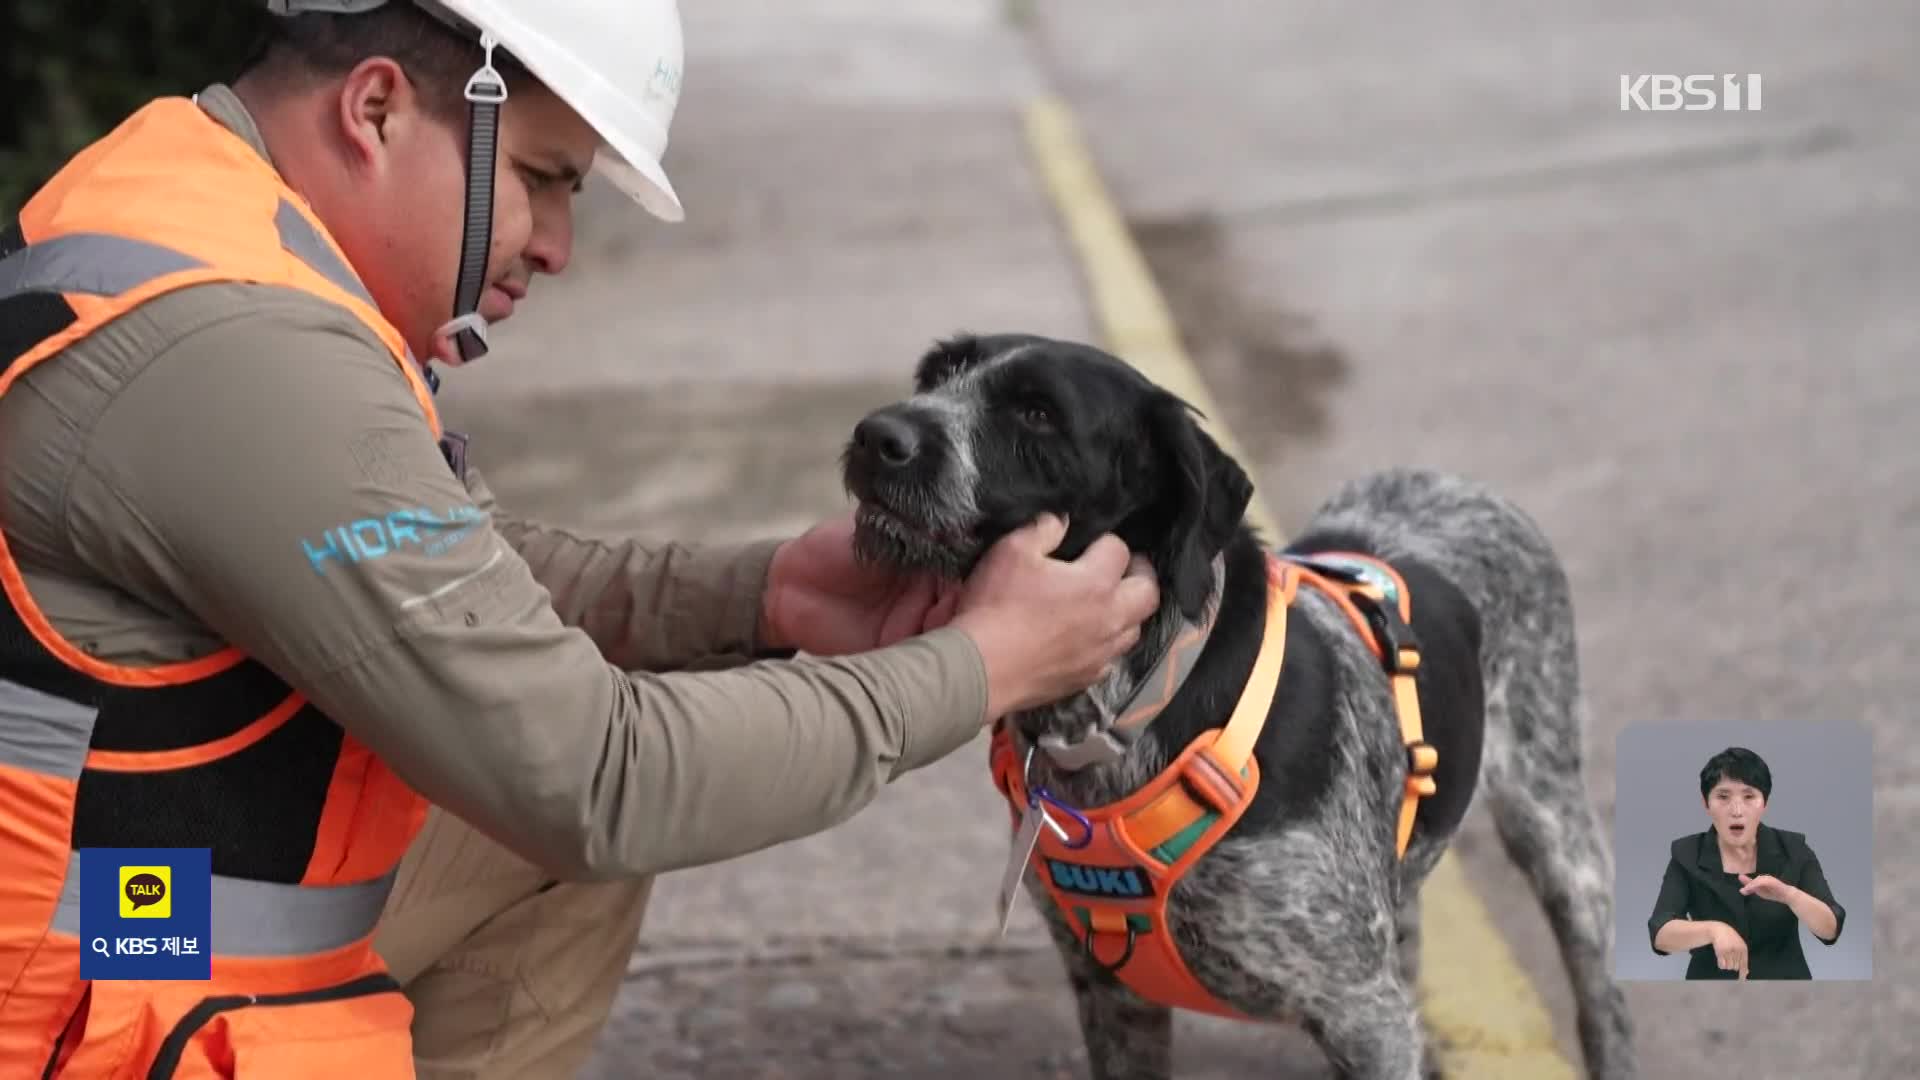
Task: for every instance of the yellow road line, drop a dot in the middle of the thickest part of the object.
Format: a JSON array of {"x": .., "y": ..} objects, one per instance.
[{"x": 1486, "y": 1012}]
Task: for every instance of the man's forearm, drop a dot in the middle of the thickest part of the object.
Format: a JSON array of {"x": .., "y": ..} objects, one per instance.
[
  {"x": 1684, "y": 935},
  {"x": 1813, "y": 913},
  {"x": 650, "y": 607},
  {"x": 740, "y": 760},
  {"x": 590, "y": 773},
  {"x": 647, "y": 605}
]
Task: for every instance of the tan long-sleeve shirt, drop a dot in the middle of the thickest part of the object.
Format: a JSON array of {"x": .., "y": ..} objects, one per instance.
[{"x": 245, "y": 464}]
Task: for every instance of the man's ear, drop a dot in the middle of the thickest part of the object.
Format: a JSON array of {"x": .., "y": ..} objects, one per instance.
[
  {"x": 1204, "y": 495},
  {"x": 375, "y": 105}
]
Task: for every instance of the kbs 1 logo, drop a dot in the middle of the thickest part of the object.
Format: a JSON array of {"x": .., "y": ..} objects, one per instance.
[{"x": 1693, "y": 93}]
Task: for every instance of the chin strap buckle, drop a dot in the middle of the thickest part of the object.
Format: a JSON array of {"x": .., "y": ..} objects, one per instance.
[
  {"x": 469, "y": 335},
  {"x": 486, "y": 87}
]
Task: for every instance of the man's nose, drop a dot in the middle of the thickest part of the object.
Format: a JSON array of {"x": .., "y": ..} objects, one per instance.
[
  {"x": 550, "y": 247},
  {"x": 888, "y": 437}
]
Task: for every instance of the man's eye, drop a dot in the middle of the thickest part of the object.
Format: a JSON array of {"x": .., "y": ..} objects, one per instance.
[{"x": 537, "y": 178}]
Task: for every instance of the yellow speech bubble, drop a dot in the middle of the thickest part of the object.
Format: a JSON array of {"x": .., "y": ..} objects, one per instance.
[{"x": 146, "y": 892}]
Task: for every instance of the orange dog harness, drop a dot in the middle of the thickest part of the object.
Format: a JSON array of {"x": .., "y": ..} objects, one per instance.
[{"x": 1112, "y": 874}]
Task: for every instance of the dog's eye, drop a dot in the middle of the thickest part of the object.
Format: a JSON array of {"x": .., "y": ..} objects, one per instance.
[{"x": 1036, "y": 417}]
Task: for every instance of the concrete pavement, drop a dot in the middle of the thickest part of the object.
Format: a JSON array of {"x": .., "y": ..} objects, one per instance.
[{"x": 1684, "y": 339}]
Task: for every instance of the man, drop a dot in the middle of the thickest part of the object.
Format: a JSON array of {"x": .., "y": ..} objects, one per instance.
[{"x": 257, "y": 600}]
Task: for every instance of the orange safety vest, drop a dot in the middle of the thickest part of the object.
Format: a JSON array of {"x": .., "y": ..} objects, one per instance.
[
  {"x": 1113, "y": 875},
  {"x": 306, "y": 826}
]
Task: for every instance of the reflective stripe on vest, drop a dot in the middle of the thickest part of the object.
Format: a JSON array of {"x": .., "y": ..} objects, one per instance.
[
  {"x": 42, "y": 733},
  {"x": 265, "y": 918},
  {"x": 298, "y": 237},
  {"x": 101, "y": 264},
  {"x": 94, "y": 263}
]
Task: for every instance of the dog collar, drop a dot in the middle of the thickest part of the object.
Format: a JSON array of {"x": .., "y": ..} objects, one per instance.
[{"x": 1111, "y": 741}]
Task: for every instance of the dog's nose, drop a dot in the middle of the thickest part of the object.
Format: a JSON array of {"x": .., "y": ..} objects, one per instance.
[{"x": 889, "y": 436}]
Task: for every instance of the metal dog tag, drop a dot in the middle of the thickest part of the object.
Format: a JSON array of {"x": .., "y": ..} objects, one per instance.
[{"x": 1023, "y": 843}]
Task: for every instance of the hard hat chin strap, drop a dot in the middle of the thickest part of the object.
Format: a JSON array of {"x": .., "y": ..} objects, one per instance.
[{"x": 485, "y": 93}]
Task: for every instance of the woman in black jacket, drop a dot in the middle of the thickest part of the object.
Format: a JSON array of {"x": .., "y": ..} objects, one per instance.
[{"x": 1735, "y": 895}]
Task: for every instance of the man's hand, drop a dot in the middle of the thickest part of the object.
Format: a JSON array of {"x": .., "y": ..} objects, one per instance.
[
  {"x": 820, "y": 600},
  {"x": 1767, "y": 887},
  {"x": 1047, "y": 628},
  {"x": 1730, "y": 949}
]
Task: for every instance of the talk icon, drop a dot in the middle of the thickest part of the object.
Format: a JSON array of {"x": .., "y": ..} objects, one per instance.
[{"x": 146, "y": 892}]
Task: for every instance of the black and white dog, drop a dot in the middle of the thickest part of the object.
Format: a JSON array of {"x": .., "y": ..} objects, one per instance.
[{"x": 1303, "y": 912}]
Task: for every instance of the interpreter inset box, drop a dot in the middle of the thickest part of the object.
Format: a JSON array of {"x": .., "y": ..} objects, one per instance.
[{"x": 1743, "y": 850}]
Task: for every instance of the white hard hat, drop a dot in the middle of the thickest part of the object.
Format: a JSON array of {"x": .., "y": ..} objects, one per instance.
[{"x": 617, "y": 63}]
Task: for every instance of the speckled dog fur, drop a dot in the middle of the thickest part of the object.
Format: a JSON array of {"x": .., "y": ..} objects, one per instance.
[{"x": 1302, "y": 913}]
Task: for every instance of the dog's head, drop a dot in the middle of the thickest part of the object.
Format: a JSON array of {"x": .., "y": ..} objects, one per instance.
[{"x": 1003, "y": 428}]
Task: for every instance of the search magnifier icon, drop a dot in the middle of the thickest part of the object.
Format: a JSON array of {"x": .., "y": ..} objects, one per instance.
[{"x": 100, "y": 946}]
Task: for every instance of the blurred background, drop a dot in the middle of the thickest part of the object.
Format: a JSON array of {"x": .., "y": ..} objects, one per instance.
[{"x": 1685, "y": 340}]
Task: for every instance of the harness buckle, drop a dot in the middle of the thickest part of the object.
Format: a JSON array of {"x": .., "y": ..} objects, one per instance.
[
  {"x": 1399, "y": 645},
  {"x": 1422, "y": 759}
]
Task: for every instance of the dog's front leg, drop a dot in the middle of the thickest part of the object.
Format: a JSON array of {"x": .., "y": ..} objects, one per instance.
[
  {"x": 1126, "y": 1038},
  {"x": 1369, "y": 1029},
  {"x": 1407, "y": 941}
]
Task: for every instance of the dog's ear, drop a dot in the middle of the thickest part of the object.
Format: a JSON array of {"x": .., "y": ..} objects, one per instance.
[
  {"x": 1203, "y": 495},
  {"x": 946, "y": 359}
]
